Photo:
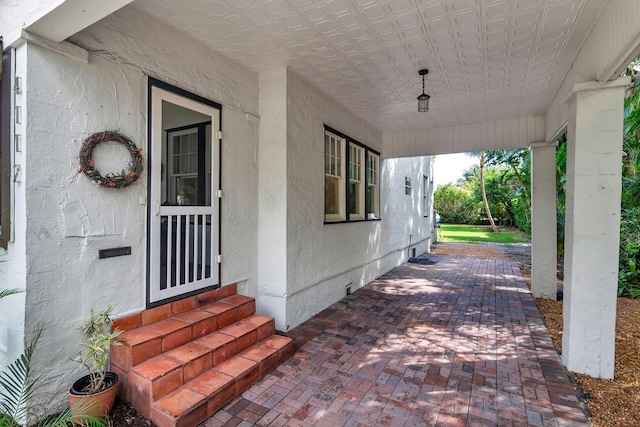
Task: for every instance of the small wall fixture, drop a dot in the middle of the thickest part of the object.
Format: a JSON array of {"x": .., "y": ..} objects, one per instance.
[{"x": 423, "y": 99}]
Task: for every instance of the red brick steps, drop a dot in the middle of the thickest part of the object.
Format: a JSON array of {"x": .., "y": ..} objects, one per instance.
[{"x": 182, "y": 362}]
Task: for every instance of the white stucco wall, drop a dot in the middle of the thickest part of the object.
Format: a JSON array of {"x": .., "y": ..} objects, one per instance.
[
  {"x": 70, "y": 219},
  {"x": 322, "y": 259},
  {"x": 160, "y": 52}
]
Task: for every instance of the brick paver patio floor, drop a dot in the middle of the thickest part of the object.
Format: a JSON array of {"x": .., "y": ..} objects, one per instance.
[{"x": 458, "y": 343}]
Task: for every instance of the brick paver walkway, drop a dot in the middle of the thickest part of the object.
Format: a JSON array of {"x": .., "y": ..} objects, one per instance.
[{"x": 458, "y": 343}]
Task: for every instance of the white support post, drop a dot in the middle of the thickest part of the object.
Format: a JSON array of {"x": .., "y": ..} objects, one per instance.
[
  {"x": 543, "y": 221},
  {"x": 592, "y": 226},
  {"x": 272, "y": 197}
]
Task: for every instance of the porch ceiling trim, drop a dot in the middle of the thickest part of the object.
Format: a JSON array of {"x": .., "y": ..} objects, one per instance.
[
  {"x": 492, "y": 135},
  {"x": 63, "y": 48},
  {"x": 608, "y": 48},
  {"x": 71, "y": 16}
]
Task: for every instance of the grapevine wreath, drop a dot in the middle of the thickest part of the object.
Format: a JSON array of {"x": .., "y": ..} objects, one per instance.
[{"x": 111, "y": 180}]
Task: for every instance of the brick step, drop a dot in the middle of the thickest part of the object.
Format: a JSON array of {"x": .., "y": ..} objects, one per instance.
[
  {"x": 205, "y": 394},
  {"x": 152, "y": 339},
  {"x": 183, "y": 361},
  {"x": 166, "y": 372}
]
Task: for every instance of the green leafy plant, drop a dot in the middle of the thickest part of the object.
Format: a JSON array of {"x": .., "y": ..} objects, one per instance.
[
  {"x": 96, "y": 348},
  {"x": 7, "y": 292},
  {"x": 18, "y": 386},
  {"x": 628, "y": 271},
  {"x": 67, "y": 417}
]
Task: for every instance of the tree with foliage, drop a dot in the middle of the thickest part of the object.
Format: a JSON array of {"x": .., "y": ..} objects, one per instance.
[
  {"x": 480, "y": 155},
  {"x": 561, "y": 187},
  {"x": 455, "y": 204},
  {"x": 629, "y": 259},
  {"x": 462, "y": 202},
  {"x": 518, "y": 160}
]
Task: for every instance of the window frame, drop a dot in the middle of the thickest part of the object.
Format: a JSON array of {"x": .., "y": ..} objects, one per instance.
[
  {"x": 425, "y": 196},
  {"x": 203, "y": 162},
  {"x": 340, "y": 178},
  {"x": 6, "y": 95},
  {"x": 376, "y": 185},
  {"x": 344, "y": 201},
  {"x": 356, "y": 165}
]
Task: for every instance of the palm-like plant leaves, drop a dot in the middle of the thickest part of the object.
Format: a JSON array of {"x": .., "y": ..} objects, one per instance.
[
  {"x": 17, "y": 385},
  {"x": 66, "y": 417},
  {"x": 7, "y": 292}
]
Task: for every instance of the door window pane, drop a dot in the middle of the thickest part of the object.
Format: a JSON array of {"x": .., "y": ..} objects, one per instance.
[{"x": 186, "y": 148}]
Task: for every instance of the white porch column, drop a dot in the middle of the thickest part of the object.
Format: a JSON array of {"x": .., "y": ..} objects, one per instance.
[
  {"x": 592, "y": 226},
  {"x": 543, "y": 221},
  {"x": 272, "y": 197}
]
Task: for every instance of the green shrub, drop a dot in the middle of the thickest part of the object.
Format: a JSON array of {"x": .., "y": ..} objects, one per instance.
[
  {"x": 455, "y": 205},
  {"x": 629, "y": 263}
]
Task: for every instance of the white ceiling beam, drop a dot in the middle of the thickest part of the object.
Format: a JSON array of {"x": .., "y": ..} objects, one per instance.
[
  {"x": 71, "y": 16},
  {"x": 491, "y": 135}
]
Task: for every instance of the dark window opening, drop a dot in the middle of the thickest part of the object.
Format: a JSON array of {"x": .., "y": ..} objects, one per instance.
[{"x": 5, "y": 144}]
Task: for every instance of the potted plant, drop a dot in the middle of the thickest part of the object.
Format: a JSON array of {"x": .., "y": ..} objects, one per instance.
[{"x": 95, "y": 393}]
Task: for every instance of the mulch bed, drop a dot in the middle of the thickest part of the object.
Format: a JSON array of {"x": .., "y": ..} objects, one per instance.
[
  {"x": 124, "y": 415},
  {"x": 610, "y": 402}
]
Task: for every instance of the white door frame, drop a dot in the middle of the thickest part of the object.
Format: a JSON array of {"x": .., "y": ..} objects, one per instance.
[{"x": 194, "y": 218}]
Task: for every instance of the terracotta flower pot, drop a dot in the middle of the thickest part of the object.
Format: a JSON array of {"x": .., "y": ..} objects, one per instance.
[{"x": 93, "y": 404}]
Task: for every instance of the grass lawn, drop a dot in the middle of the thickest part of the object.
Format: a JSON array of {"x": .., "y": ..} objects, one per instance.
[{"x": 479, "y": 233}]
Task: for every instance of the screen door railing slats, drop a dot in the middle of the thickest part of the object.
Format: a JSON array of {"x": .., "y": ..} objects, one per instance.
[
  {"x": 187, "y": 248},
  {"x": 196, "y": 259},
  {"x": 176, "y": 269},
  {"x": 169, "y": 250},
  {"x": 187, "y": 251}
]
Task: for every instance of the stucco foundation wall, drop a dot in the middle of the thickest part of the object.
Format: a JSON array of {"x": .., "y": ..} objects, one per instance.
[
  {"x": 70, "y": 219},
  {"x": 322, "y": 259}
]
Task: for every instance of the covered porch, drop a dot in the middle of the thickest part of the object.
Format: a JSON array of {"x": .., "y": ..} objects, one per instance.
[
  {"x": 281, "y": 75},
  {"x": 456, "y": 343}
]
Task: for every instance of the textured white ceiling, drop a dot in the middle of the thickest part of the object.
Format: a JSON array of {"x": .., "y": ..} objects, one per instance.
[{"x": 487, "y": 59}]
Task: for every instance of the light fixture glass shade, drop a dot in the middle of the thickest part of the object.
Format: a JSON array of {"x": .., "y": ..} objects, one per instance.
[{"x": 423, "y": 103}]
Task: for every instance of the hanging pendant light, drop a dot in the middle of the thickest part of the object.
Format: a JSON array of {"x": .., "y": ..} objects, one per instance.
[{"x": 423, "y": 99}]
